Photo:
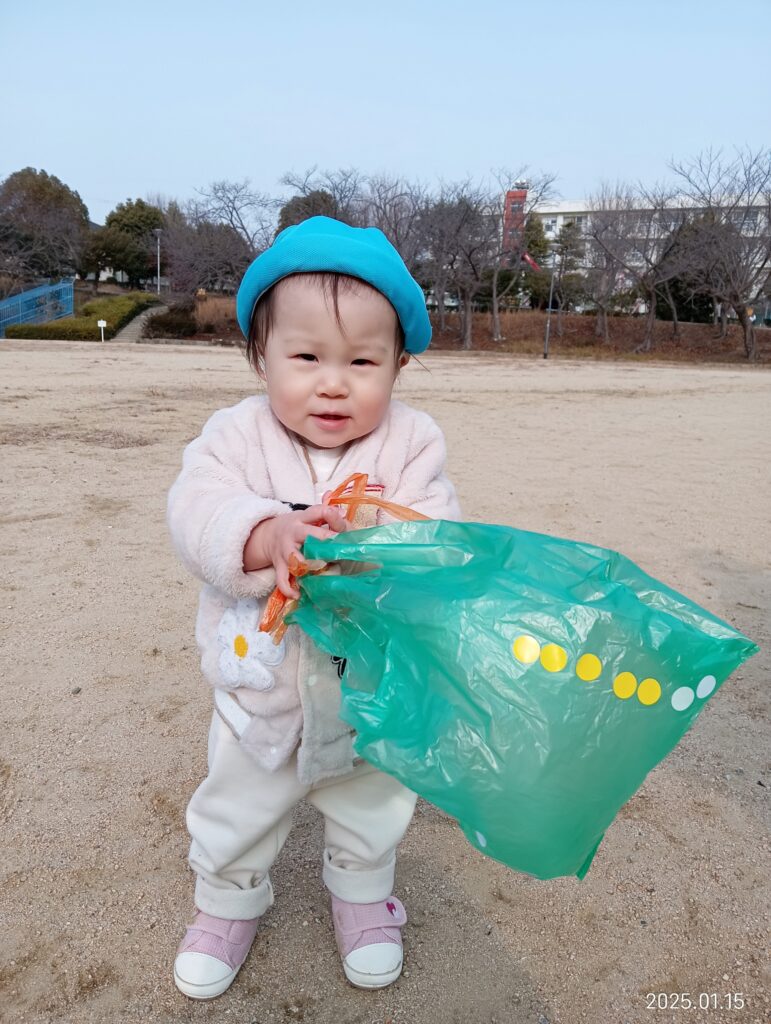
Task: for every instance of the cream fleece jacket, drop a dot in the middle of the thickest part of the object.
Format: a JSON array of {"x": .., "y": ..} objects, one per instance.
[{"x": 244, "y": 468}]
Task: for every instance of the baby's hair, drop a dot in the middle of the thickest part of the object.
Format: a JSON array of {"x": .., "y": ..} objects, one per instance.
[{"x": 330, "y": 281}]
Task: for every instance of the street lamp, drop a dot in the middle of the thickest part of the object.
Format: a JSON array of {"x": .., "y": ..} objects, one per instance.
[
  {"x": 158, "y": 274},
  {"x": 548, "y": 311}
]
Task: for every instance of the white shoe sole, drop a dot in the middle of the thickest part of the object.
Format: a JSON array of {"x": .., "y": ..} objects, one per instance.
[
  {"x": 371, "y": 980},
  {"x": 210, "y": 991}
]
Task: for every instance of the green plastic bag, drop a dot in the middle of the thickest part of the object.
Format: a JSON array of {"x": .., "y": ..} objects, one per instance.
[{"x": 523, "y": 683}]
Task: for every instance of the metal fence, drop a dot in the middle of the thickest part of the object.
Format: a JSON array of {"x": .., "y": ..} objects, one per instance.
[{"x": 37, "y": 306}]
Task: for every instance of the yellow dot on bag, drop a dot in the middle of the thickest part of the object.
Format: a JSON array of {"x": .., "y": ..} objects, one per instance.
[
  {"x": 624, "y": 685},
  {"x": 588, "y": 667},
  {"x": 554, "y": 658},
  {"x": 526, "y": 649},
  {"x": 649, "y": 691},
  {"x": 240, "y": 646}
]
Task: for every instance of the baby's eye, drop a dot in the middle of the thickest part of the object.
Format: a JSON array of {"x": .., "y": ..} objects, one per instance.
[
  {"x": 307, "y": 356},
  {"x": 363, "y": 362}
]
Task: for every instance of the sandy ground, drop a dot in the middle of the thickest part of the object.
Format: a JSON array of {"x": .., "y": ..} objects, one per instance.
[{"x": 105, "y": 714}]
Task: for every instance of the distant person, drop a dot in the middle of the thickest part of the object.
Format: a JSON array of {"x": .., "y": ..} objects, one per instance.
[{"x": 250, "y": 491}]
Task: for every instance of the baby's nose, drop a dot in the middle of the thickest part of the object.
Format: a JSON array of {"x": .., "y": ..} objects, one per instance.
[{"x": 333, "y": 384}]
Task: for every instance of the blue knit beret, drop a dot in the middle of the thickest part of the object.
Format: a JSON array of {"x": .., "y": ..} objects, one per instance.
[{"x": 322, "y": 243}]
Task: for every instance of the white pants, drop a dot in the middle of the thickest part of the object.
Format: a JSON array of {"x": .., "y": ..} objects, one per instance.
[{"x": 240, "y": 816}]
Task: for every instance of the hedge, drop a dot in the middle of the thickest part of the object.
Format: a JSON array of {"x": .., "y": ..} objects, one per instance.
[
  {"x": 117, "y": 310},
  {"x": 177, "y": 322}
]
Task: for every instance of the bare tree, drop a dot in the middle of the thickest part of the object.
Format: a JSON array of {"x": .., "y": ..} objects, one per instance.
[
  {"x": 394, "y": 206},
  {"x": 601, "y": 278},
  {"x": 731, "y": 236},
  {"x": 201, "y": 252},
  {"x": 462, "y": 226},
  {"x": 391, "y": 204},
  {"x": 252, "y": 215},
  {"x": 635, "y": 227},
  {"x": 436, "y": 228},
  {"x": 346, "y": 186}
]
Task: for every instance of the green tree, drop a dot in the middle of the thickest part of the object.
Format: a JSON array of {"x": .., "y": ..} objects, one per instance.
[
  {"x": 94, "y": 258},
  {"x": 568, "y": 254},
  {"x": 535, "y": 283},
  {"x": 484, "y": 297},
  {"x": 569, "y": 247},
  {"x": 690, "y": 305},
  {"x": 682, "y": 298},
  {"x": 127, "y": 242},
  {"x": 299, "y": 208},
  {"x": 43, "y": 226},
  {"x": 536, "y": 242},
  {"x": 135, "y": 217},
  {"x": 512, "y": 279}
]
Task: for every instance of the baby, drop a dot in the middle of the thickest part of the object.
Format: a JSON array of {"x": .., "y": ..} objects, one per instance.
[{"x": 250, "y": 492}]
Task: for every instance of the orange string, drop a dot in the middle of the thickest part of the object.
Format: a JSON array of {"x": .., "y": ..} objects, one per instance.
[{"x": 279, "y": 606}]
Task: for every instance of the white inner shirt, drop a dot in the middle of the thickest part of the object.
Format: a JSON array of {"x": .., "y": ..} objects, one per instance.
[{"x": 324, "y": 461}]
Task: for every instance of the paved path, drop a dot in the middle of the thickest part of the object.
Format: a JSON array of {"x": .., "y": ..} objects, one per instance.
[{"x": 134, "y": 328}]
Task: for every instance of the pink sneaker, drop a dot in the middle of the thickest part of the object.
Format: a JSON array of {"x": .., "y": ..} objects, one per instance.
[
  {"x": 370, "y": 941},
  {"x": 211, "y": 953}
]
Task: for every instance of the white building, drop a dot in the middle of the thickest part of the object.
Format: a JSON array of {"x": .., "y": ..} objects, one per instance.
[{"x": 554, "y": 216}]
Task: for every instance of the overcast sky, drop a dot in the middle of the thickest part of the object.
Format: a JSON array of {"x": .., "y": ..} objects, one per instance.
[{"x": 163, "y": 97}]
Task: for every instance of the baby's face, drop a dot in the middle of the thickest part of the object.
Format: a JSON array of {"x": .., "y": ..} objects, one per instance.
[{"x": 328, "y": 387}]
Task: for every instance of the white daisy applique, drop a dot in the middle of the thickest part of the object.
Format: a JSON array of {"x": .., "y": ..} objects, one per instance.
[{"x": 246, "y": 654}]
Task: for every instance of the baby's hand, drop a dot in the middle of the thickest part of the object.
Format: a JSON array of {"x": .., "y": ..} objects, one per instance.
[{"x": 286, "y": 535}]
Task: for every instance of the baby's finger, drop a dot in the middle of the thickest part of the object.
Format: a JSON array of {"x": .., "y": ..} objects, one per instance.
[
  {"x": 321, "y": 532},
  {"x": 282, "y": 581},
  {"x": 334, "y": 517},
  {"x": 316, "y": 512}
]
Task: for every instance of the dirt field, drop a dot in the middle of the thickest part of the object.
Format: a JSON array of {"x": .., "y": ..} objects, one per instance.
[{"x": 105, "y": 714}]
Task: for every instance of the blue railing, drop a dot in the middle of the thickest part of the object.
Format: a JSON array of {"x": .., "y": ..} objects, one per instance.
[{"x": 37, "y": 306}]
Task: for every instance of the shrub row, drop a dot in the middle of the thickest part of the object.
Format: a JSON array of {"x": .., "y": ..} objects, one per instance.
[
  {"x": 117, "y": 310},
  {"x": 177, "y": 322}
]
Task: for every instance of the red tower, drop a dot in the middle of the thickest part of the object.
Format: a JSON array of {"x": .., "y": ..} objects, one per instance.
[{"x": 514, "y": 219}]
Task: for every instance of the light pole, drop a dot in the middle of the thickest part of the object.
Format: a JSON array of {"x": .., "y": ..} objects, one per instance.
[
  {"x": 548, "y": 311},
  {"x": 158, "y": 250}
]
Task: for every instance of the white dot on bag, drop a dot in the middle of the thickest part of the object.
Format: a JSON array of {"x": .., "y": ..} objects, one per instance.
[
  {"x": 481, "y": 839},
  {"x": 312, "y": 680},
  {"x": 682, "y": 698},
  {"x": 273, "y": 750},
  {"x": 706, "y": 686}
]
